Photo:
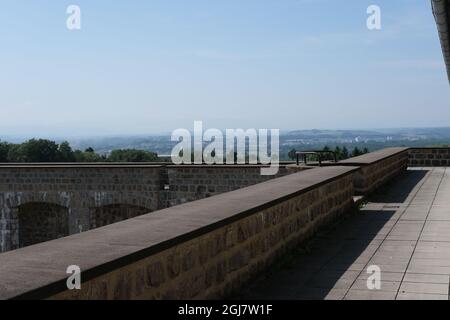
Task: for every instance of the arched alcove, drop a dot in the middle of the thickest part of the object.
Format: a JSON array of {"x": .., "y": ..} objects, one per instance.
[{"x": 40, "y": 222}]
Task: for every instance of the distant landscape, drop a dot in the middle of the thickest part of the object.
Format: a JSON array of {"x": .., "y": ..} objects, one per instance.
[{"x": 155, "y": 147}]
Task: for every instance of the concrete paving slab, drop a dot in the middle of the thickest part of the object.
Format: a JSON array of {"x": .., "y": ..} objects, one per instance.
[
  {"x": 369, "y": 295},
  {"x": 429, "y": 288},
  {"x": 420, "y": 296},
  {"x": 426, "y": 278}
]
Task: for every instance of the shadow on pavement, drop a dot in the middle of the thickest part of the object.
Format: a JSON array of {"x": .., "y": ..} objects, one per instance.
[{"x": 337, "y": 259}]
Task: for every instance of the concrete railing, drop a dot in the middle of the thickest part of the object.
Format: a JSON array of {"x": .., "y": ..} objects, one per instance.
[
  {"x": 376, "y": 168},
  {"x": 203, "y": 249},
  {"x": 429, "y": 157}
]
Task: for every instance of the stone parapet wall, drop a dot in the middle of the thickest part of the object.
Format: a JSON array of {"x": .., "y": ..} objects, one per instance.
[
  {"x": 377, "y": 168},
  {"x": 97, "y": 194},
  {"x": 429, "y": 157},
  {"x": 77, "y": 190},
  {"x": 204, "y": 249},
  {"x": 190, "y": 183}
]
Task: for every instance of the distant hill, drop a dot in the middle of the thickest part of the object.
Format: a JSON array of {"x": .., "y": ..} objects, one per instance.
[{"x": 315, "y": 133}]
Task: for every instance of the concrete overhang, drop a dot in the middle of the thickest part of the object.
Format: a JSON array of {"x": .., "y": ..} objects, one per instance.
[{"x": 441, "y": 11}]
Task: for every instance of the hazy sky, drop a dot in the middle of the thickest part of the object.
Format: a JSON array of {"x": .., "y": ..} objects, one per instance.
[{"x": 156, "y": 65}]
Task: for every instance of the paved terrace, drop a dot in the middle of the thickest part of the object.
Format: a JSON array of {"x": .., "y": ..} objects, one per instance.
[{"x": 404, "y": 229}]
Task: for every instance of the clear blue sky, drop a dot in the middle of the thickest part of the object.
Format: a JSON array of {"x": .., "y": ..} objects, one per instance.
[{"x": 156, "y": 65}]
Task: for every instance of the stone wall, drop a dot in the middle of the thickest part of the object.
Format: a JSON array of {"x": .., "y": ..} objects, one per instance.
[
  {"x": 77, "y": 190},
  {"x": 114, "y": 213},
  {"x": 204, "y": 249},
  {"x": 41, "y": 222},
  {"x": 429, "y": 157},
  {"x": 100, "y": 194},
  {"x": 377, "y": 168},
  {"x": 190, "y": 183}
]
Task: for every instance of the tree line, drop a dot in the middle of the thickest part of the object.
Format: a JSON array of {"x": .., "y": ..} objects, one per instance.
[
  {"x": 341, "y": 153},
  {"x": 41, "y": 150}
]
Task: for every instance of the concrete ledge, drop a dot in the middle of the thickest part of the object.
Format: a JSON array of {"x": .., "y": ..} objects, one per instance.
[
  {"x": 202, "y": 249},
  {"x": 374, "y": 157}
]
